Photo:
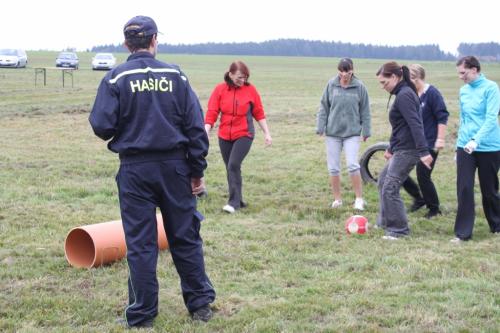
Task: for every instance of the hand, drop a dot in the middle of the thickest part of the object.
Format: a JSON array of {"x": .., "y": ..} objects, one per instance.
[
  {"x": 197, "y": 185},
  {"x": 427, "y": 160},
  {"x": 365, "y": 138},
  {"x": 439, "y": 144},
  {"x": 470, "y": 147},
  {"x": 387, "y": 155},
  {"x": 268, "y": 140}
]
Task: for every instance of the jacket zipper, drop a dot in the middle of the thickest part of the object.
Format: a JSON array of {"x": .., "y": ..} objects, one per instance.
[{"x": 235, "y": 105}]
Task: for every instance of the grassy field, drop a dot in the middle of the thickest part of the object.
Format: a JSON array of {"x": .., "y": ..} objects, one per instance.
[{"x": 284, "y": 264}]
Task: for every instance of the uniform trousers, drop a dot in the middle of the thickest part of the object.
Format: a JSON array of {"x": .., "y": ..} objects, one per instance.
[{"x": 143, "y": 186}]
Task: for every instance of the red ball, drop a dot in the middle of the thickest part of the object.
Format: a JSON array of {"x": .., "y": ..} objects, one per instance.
[{"x": 356, "y": 224}]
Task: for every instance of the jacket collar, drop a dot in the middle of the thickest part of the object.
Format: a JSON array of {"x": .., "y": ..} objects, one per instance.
[
  {"x": 398, "y": 87},
  {"x": 141, "y": 54},
  {"x": 477, "y": 81},
  {"x": 233, "y": 87},
  {"x": 353, "y": 83}
]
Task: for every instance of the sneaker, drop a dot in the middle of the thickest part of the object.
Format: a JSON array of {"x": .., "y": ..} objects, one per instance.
[
  {"x": 228, "y": 209},
  {"x": 202, "y": 314},
  {"x": 430, "y": 214},
  {"x": 359, "y": 204},
  {"x": 388, "y": 237},
  {"x": 416, "y": 206},
  {"x": 457, "y": 240},
  {"x": 336, "y": 203}
]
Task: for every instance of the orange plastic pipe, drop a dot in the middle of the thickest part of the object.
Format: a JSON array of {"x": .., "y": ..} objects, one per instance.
[{"x": 98, "y": 244}]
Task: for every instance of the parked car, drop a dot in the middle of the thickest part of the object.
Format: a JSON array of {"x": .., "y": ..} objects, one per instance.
[
  {"x": 103, "y": 61},
  {"x": 13, "y": 58},
  {"x": 67, "y": 59}
]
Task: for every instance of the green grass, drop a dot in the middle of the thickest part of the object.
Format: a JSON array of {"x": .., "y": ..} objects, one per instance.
[{"x": 284, "y": 264}]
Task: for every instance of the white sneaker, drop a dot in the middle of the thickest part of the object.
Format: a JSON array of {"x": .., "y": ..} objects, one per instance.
[
  {"x": 387, "y": 237},
  {"x": 359, "y": 204},
  {"x": 336, "y": 203},
  {"x": 456, "y": 240},
  {"x": 228, "y": 209}
]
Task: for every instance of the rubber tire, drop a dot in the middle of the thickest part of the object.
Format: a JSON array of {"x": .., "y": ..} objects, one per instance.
[{"x": 364, "y": 161}]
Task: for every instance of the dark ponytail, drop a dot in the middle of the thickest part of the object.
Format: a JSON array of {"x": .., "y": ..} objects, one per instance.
[{"x": 406, "y": 77}]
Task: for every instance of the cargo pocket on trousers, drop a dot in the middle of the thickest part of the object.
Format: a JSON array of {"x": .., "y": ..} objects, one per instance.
[
  {"x": 197, "y": 218},
  {"x": 184, "y": 173}
]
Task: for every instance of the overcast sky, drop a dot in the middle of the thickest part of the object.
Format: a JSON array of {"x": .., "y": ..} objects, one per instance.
[{"x": 56, "y": 24}]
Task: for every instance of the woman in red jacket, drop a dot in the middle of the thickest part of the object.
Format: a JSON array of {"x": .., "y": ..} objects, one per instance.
[{"x": 237, "y": 101}]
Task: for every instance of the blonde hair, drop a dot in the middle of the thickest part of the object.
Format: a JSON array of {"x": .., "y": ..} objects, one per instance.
[{"x": 417, "y": 71}]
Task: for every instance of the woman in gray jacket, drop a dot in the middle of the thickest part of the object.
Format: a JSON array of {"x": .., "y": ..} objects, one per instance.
[{"x": 343, "y": 117}]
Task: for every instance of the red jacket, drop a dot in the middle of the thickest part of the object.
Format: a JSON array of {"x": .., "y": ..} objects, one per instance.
[{"x": 238, "y": 105}]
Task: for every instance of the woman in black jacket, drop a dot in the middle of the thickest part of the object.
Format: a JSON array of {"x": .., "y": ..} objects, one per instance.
[{"x": 406, "y": 147}]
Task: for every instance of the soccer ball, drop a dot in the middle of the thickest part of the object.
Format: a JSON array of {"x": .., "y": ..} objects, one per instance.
[{"x": 356, "y": 224}]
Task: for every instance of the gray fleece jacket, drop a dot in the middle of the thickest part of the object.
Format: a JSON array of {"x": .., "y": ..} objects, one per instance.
[{"x": 344, "y": 112}]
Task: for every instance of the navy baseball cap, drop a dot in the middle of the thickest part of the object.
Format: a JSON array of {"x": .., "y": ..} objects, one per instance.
[{"x": 140, "y": 26}]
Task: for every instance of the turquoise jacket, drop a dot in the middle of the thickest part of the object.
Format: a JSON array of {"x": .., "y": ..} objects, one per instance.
[
  {"x": 479, "y": 109},
  {"x": 344, "y": 112}
]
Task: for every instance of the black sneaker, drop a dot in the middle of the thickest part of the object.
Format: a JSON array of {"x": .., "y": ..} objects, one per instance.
[
  {"x": 202, "y": 314},
  {"x": 144, "y": 324},
  {"x": 416, "y": 206},
  {"x": 430, "y": 214}
]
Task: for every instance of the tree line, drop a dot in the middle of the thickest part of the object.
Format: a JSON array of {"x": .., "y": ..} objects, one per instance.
[
  {"x": 486, "y": 51},
  {"x": 311, "y": 48}
]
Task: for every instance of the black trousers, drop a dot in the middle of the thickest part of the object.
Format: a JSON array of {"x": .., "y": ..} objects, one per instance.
[
  {"x": 487, "y": 164},
  {"x": 233, "y": 154},
  {"x": 425, "y": 192},
  {"x": 142, "y": 187}
]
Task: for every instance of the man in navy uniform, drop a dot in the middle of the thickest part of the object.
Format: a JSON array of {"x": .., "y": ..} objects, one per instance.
[{"x": 154, "y": 120}]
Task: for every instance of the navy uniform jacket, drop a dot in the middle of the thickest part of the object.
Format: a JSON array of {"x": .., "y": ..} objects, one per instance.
[
  {"x": 146, "y": 106},
  {"x": 433, "y": 113}
]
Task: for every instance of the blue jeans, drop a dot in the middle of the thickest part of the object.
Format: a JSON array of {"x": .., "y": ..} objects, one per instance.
[{"x": 392, "y": 214}]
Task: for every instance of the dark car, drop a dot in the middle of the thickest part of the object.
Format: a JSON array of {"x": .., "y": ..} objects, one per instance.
[{"x": 67, "y": 59}]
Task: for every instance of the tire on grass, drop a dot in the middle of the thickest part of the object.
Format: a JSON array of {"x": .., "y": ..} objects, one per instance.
[{"x": 370, "y": 163}]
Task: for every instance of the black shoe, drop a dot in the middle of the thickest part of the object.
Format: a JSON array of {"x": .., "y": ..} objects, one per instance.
[
  {"x": 430, "y": 214},
  {"x": 144, "y": 324},
  {"x": 202, "y": 314},
  {"x": 416, "y": 206}
]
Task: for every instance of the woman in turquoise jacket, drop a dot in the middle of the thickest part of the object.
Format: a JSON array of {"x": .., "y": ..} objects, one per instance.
[{"x": 478, "y": 147}]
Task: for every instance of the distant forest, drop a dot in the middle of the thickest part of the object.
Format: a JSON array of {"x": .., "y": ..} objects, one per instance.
[{"x": 308, "y": 48}]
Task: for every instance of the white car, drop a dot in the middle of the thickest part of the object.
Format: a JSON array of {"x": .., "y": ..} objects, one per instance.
[
  {"x": 103, "y": 61},
  {"x": 13, "y": 58}
]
